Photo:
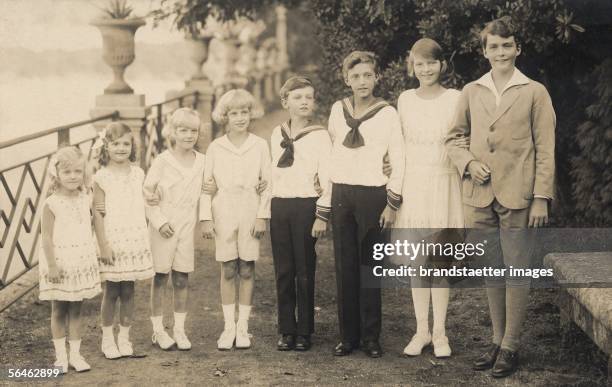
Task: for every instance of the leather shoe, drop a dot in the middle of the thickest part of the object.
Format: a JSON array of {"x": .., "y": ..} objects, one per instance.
[
  {"x": 487, "y": 359},
  {"x": 506, "y": 364},
  {"x": 302, "y": 343},
  {"x": 286, "y": 343},
  {"x": 372, "y": 349},
  {"x": 343, "y": 349}
]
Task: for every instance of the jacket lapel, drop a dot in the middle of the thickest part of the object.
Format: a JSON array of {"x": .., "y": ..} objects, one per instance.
[
  {"x": 487, "y": 99},
  {"x": 507, "y": 100}
]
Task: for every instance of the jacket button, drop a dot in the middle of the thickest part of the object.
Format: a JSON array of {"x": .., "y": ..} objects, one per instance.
[
  {"x": 492, "y": 150},
  {"x": 491, "y": 129}
]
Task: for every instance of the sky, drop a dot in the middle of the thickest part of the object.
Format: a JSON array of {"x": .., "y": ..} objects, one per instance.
[{"x": 41, "y": 25}]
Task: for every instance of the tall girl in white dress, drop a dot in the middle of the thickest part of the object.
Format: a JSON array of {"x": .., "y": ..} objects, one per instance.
[
  {"x": 431, "y": 182},
  {"x": 121, "y": 228}
]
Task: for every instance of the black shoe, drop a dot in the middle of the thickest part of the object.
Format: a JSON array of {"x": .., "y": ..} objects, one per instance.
[
  {"x": 487, "y": 359},
  {"x": 302, "y": 343},
  {"x": 286, "y": 343},
  {"x": 343, "y": 349},
  {"x": 372, "y": 349},
  {"x": 506, "y": 364}
]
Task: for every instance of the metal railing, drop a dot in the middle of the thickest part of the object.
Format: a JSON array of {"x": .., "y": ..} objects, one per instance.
[{"x": 24, "y": 184}]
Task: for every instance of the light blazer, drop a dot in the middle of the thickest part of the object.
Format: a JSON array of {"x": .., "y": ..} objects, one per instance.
[{"x": 516, "y": 140}]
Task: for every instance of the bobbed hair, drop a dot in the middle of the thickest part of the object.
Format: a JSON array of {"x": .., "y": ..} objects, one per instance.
[
  {"x": 65, "y": 157},
  {"x": 184, "y": 117},
  {"x": 115, "y": 130},
  {"x": 429, "y": 49},
  {"x": 235, "y": 99}
]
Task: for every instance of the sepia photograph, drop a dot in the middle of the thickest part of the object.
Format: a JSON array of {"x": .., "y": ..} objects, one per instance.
[{"x": 306, "y": 192}]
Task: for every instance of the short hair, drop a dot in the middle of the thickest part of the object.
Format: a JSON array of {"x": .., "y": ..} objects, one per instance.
[
  {"x": 235, "y": 99},
  {"x": 356, "y": 57},
  {"x": 504, "y": 27},
  {"x": 113, "y": 131},
  {"x": 295, "y": 83},
  {"x": 185, "y": 117},
  {"x": 65, "y": 157},
  {"x": 429, "y": 49}
]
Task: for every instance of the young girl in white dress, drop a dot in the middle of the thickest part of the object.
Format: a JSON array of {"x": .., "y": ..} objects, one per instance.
[
  {"x": 125, "y": 255},
  {"x": 68, "y": 264},
  {"x": 431, "y": 182},
  {"x": 236, "y": 215}
]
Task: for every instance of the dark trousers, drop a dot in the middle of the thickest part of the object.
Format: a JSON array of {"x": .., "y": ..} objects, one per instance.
[
  {"x": 293, "y": 251},
  {"x": 355, "y": 214}
]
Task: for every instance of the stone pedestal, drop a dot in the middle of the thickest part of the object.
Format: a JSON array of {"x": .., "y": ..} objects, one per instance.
[{"x": 132, "y": 110}]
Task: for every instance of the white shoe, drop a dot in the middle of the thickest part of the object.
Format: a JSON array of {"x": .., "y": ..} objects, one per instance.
[
  {"x": 441, "y": 347},
  {"x": 416, "y": 345},
  {"x": 109, "y": 348},
  {"x": 163, "y": 340},
  {"x": 243, "y": 338},
  {"x": 182, "y": 342},
  {"x": 62, "y": 364},
  {"x": 226, "y": 340},
  {"x": 125, "y": 346},
  {"x": 78, "y": 363}
]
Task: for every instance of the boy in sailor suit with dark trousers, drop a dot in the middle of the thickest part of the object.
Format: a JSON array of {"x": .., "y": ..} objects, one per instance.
[
  {"x": 364, "y": 201},
  {"x": 508, "y": 175},
  {"x": 300, "y": 155}
]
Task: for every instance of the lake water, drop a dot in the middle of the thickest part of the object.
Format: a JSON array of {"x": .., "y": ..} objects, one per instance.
[{"x": 29, "y": 105}]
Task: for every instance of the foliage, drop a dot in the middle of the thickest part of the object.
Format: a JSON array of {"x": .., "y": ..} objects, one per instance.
[
  {"x": 117, "y": 9},
  {"x": 562, "y": 42},
  {"x": 592, "y": 166},
  {"x": 190, "y": 15}
]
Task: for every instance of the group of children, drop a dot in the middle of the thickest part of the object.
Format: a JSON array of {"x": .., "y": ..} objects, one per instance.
[{"x": 145, "y": 225}]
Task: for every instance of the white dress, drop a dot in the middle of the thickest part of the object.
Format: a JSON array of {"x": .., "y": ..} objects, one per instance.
[
  {"x": 75, "y": 251},
  {"x": 431, "y": 191},
  {"x": 125, "y": 226}
]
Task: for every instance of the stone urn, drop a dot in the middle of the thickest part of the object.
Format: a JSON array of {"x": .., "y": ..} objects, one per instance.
[
  {"x": 198, "y": 48},
  {"x": 118, "y": 49}
]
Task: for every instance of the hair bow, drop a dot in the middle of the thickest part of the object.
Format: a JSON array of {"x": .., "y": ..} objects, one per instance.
[{"x": 100, "y": 140}]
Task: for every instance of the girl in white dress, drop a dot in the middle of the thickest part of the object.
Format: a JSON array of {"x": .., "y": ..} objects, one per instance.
[
  {"x": 68, "y": 264},
  {"x": 431, "y": 182},
  {"x": 236, "y": 215},
  {"x": 125, "y": 255}
]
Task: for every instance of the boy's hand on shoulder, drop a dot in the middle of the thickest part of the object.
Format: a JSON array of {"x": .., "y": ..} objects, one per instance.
[
  {"x": 208, "y": 229},
  {"x": 538, "y": 213},
  {"x": 387, "y": 218},
  {"x": 319, "y": 228},
  {"x": 479, "y": 171},
  {"x": 100, "y": 208},
  {"x": 259, "y": 228},
  {"x": 166, "y": 230}
]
